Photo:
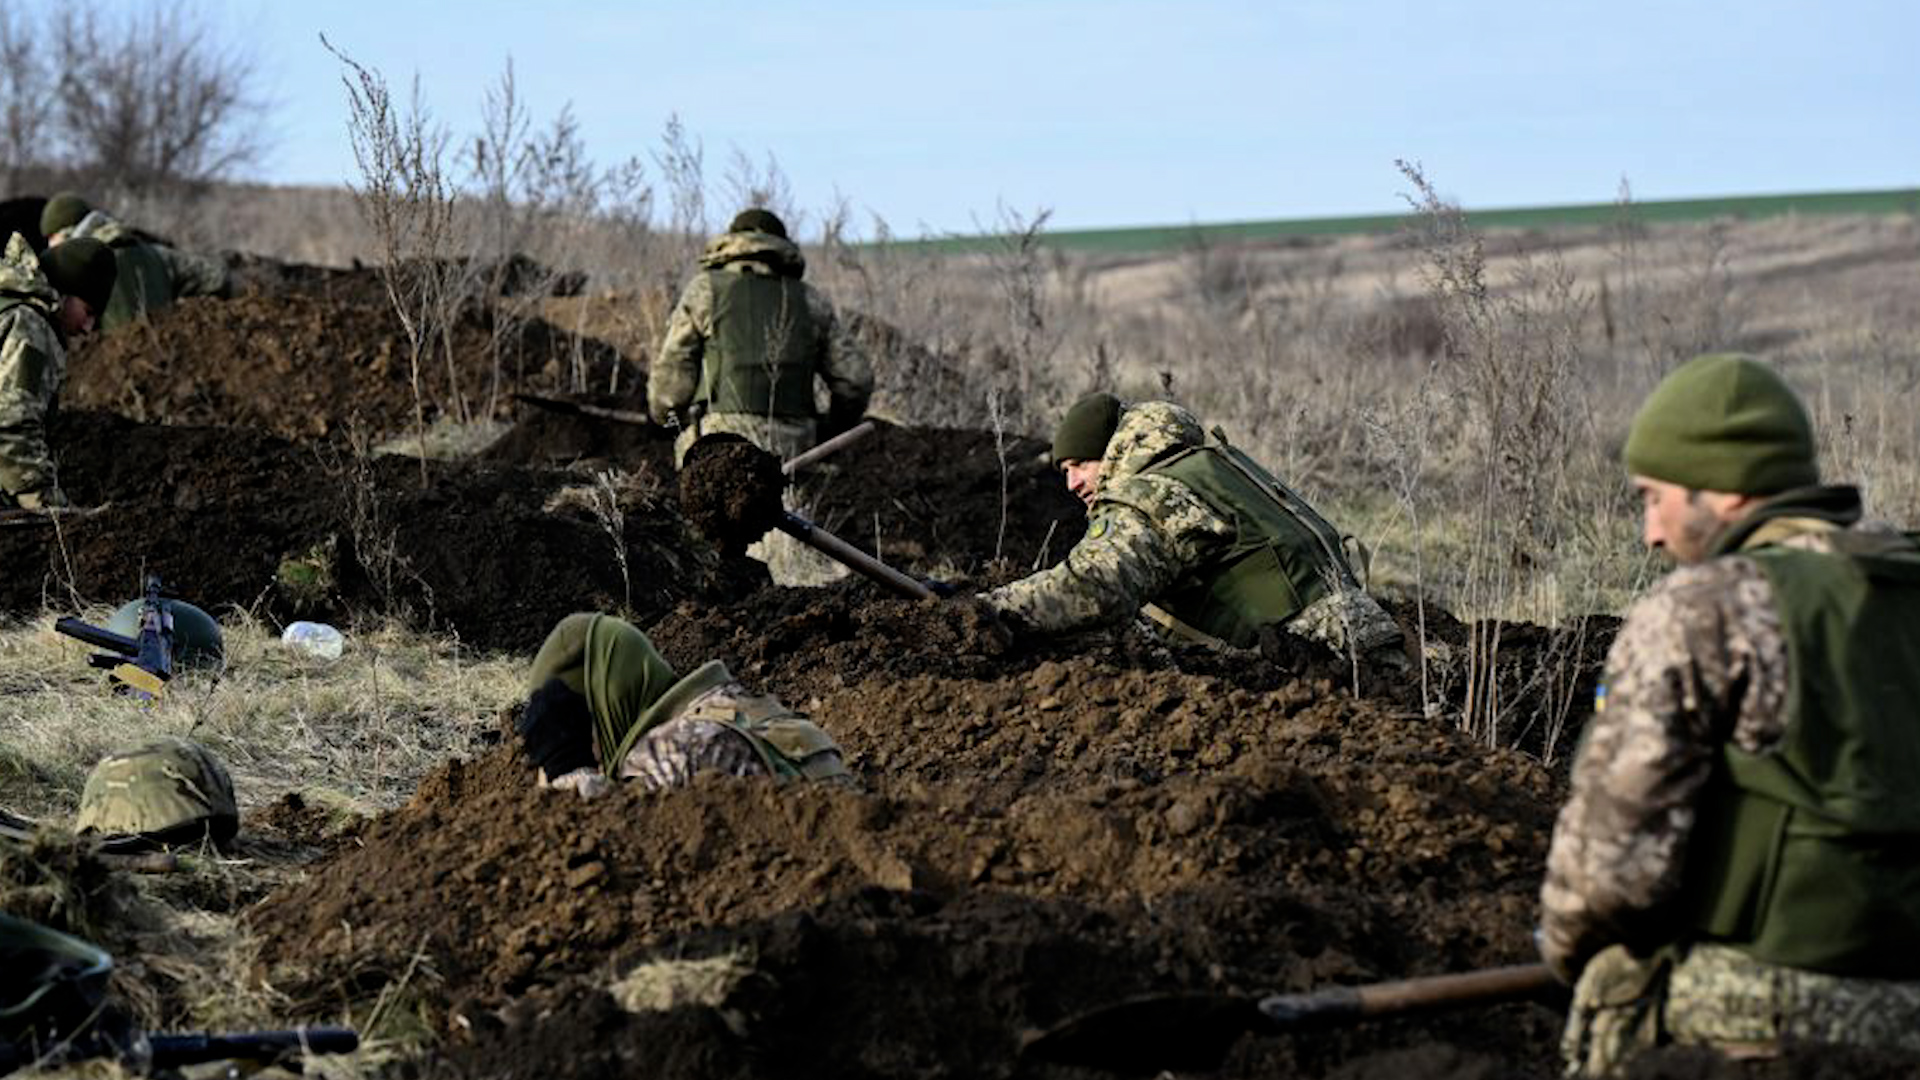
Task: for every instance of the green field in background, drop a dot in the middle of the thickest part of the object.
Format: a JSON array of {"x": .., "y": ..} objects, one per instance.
[{"x": 1160, "y": 238}]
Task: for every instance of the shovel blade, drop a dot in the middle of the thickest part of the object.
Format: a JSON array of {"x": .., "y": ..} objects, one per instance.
[{"x": 1149, "y": 1034}]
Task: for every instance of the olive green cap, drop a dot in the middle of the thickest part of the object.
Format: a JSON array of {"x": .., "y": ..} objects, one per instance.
[
  {"x": 1089, "y": 425},
  {"x": 63, "y": 211},
  {"x": 83, "y": 268},
  {"x": 1724, "y": 422},
  {"x": 170, "y": 789},
  {"x": 197, "y": 640},
  {"x": 612, "y": 664},
  {"x": 758, "y": 220}
]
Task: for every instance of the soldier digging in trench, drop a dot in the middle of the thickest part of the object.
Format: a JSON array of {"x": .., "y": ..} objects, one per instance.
[
  {"x": 1738, "y": 862},
  {"x": 149, "y": 275},
  {"x": 44, "y": 302},
  {"x": 1208, "y": 542},
  {"x": 742, "y": 350},
  {"x": 605, "y": 706}
]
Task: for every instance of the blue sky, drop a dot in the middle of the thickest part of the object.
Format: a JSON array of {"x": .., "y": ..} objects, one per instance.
[{"x": 1119, "y": 112}]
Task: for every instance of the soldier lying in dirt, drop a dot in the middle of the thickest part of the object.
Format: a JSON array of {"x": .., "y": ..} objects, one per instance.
[
  {"x": 604, "y": 705},
  {"x": 1199, "y": 535}
]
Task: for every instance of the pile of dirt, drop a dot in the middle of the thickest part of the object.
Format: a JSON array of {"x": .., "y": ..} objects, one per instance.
[
  {"x": 325, "y": 353},
  {"x": 731, "y": 491},
  {"x": 493, "y": 553},
  {"x": 1044, "y": 828}
]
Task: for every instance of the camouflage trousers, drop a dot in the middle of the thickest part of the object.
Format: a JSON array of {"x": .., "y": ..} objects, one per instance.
[
  {"x": 1712, "y": 995},
  {"x": 788, "y": 560},
  {"x": 672, "y": 754}
]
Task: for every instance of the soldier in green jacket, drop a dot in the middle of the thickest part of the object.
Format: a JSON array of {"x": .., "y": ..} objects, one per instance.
[
  {"x": 604, "y": 706},
  {"x": 1198, "y": 535},
  {"x": 1738, "y": 861},
  {"x": 742, "y": 350},
  {"x": 44, "y": 301},
  {"x": 151, "y": 274}
]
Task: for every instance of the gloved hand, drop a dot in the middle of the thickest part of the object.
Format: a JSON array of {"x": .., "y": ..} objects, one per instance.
[{"x": 945, "y": 590}]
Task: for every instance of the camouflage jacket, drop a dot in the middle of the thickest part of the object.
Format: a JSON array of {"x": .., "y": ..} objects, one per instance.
[
  {"x": 185, "y": 274},
  {"x": 33, "y": 365},
  {"x": 1701, "y": 660},
  {"x": 674, "y": 377}
]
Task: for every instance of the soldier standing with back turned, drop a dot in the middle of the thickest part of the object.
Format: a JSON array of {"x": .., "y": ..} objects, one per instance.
[{"x": 742, "y": 349}]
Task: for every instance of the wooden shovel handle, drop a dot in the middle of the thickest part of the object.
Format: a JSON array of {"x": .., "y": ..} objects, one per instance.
[
  {"x": 1486, "y": 987},
  {"x": 852, "y": 557}
]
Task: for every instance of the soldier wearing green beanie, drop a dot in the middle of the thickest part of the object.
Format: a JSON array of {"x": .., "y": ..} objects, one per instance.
[
  {"x": 149, "y": 274},
  {"x": 44, "y": 301},
  {"x": 1196, "y": 535},
  {"x": 603, "y": 705},
  {"x": 743, "y": 348},
  {"x": 1738, "y": 861}
]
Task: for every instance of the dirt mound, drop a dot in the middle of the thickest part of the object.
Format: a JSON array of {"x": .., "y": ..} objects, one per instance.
[
  {"x": 1039, "y": 834},
  {"x": 495, "y": 554},
  {"x": 323, "y": 350},
  {"x": 933, "y": 499}
]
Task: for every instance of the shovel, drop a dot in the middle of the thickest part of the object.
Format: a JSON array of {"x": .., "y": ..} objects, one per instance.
[
  {"x": 579, "y": 408},
  {"x": 1180, "y": 1032}
]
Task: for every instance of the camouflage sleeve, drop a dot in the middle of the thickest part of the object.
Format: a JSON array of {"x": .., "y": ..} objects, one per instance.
[
  {"x": 32, "y": 366},
  {"x": 674, "y": 376},
  {"x": 1700, "y": 660},
  {"x": 1123, "y": 561},
  {"x": 844, "y": 365},
  {"x": 193, "y": 275}
]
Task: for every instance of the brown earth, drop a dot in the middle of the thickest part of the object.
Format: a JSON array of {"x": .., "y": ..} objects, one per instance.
[
  {"x": 470, "y": 548},
  {"x": 730, "y": 490},
  {"x": 318, "y": 353},
  {"x": 1045, "y": 827}
]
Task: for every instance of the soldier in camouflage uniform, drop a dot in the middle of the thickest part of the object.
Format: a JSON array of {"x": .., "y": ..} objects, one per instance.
[
  {"x": 605, "y": 706},
  {"x": 742, "y": 350},
  {"x": 1738, "y": 862},
  {"x": 151, "y": 274},
  {"x": 43, "y": 302},
  {"x": 1208, "y": 542}
]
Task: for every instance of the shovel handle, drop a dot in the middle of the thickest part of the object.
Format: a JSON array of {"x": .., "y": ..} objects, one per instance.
[
  {"x": 1486, "y": 987},
  {"x": 852, "y": 557},
  {"x": 838, "y": 442}
]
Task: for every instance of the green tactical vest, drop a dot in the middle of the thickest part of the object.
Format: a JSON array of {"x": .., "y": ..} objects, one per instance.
[
  {"x": 760, "y": 359},
  {"x": 142, "y": 284},
  {"x": 1809, "y": 855},
  {"x": 792, "y": 746},
  {"x": 1284, "y": 556}
]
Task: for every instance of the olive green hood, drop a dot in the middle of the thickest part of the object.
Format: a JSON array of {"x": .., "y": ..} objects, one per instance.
[
  {"x": 776, "y": 255},
  {"x": 1149, "y": 431},
  {"x": 612, "y": 664},
  {"x": 22, "y": 279}
]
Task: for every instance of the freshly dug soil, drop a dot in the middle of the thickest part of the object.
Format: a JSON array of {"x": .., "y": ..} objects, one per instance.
[
  {"x": 322, "y": 355},
  {"x": 474, "y": 549},
  {"x": 1045, "y": 827},
  {"x": 730, "y": 490}
]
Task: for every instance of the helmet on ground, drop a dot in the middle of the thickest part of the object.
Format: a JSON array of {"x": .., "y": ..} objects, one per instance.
[
  {"x": 170, "y": 790},
  {"x": 197, "y": 640}
]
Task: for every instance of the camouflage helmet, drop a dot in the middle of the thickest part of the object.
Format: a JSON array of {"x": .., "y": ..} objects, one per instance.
[
  {"x": 197, "y": 640},
  {"x": 170, "y": 790},
  {"x": 758, "y": 219}
]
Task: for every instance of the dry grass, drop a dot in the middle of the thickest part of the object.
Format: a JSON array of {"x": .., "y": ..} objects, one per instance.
[{"x": 353, "y": 736}]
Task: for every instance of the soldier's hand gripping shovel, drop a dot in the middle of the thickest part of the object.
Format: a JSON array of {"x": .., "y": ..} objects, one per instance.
[{"x": 1159, "y": 1032}]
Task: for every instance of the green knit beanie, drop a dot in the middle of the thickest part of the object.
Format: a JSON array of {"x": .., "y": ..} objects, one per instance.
[
  {"x": 1084, "y": 432},
  {"x": 758, "y": 220},
  {"x": 1724, "y": 422},
  {"x": 63, "y": 211},
  {"x": 82, "y": 268}
]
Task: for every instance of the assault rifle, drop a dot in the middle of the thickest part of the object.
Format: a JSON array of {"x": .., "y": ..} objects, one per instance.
[
  {"x": 142, "y": 664},
  {"x": 149, "y": 1053}
]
